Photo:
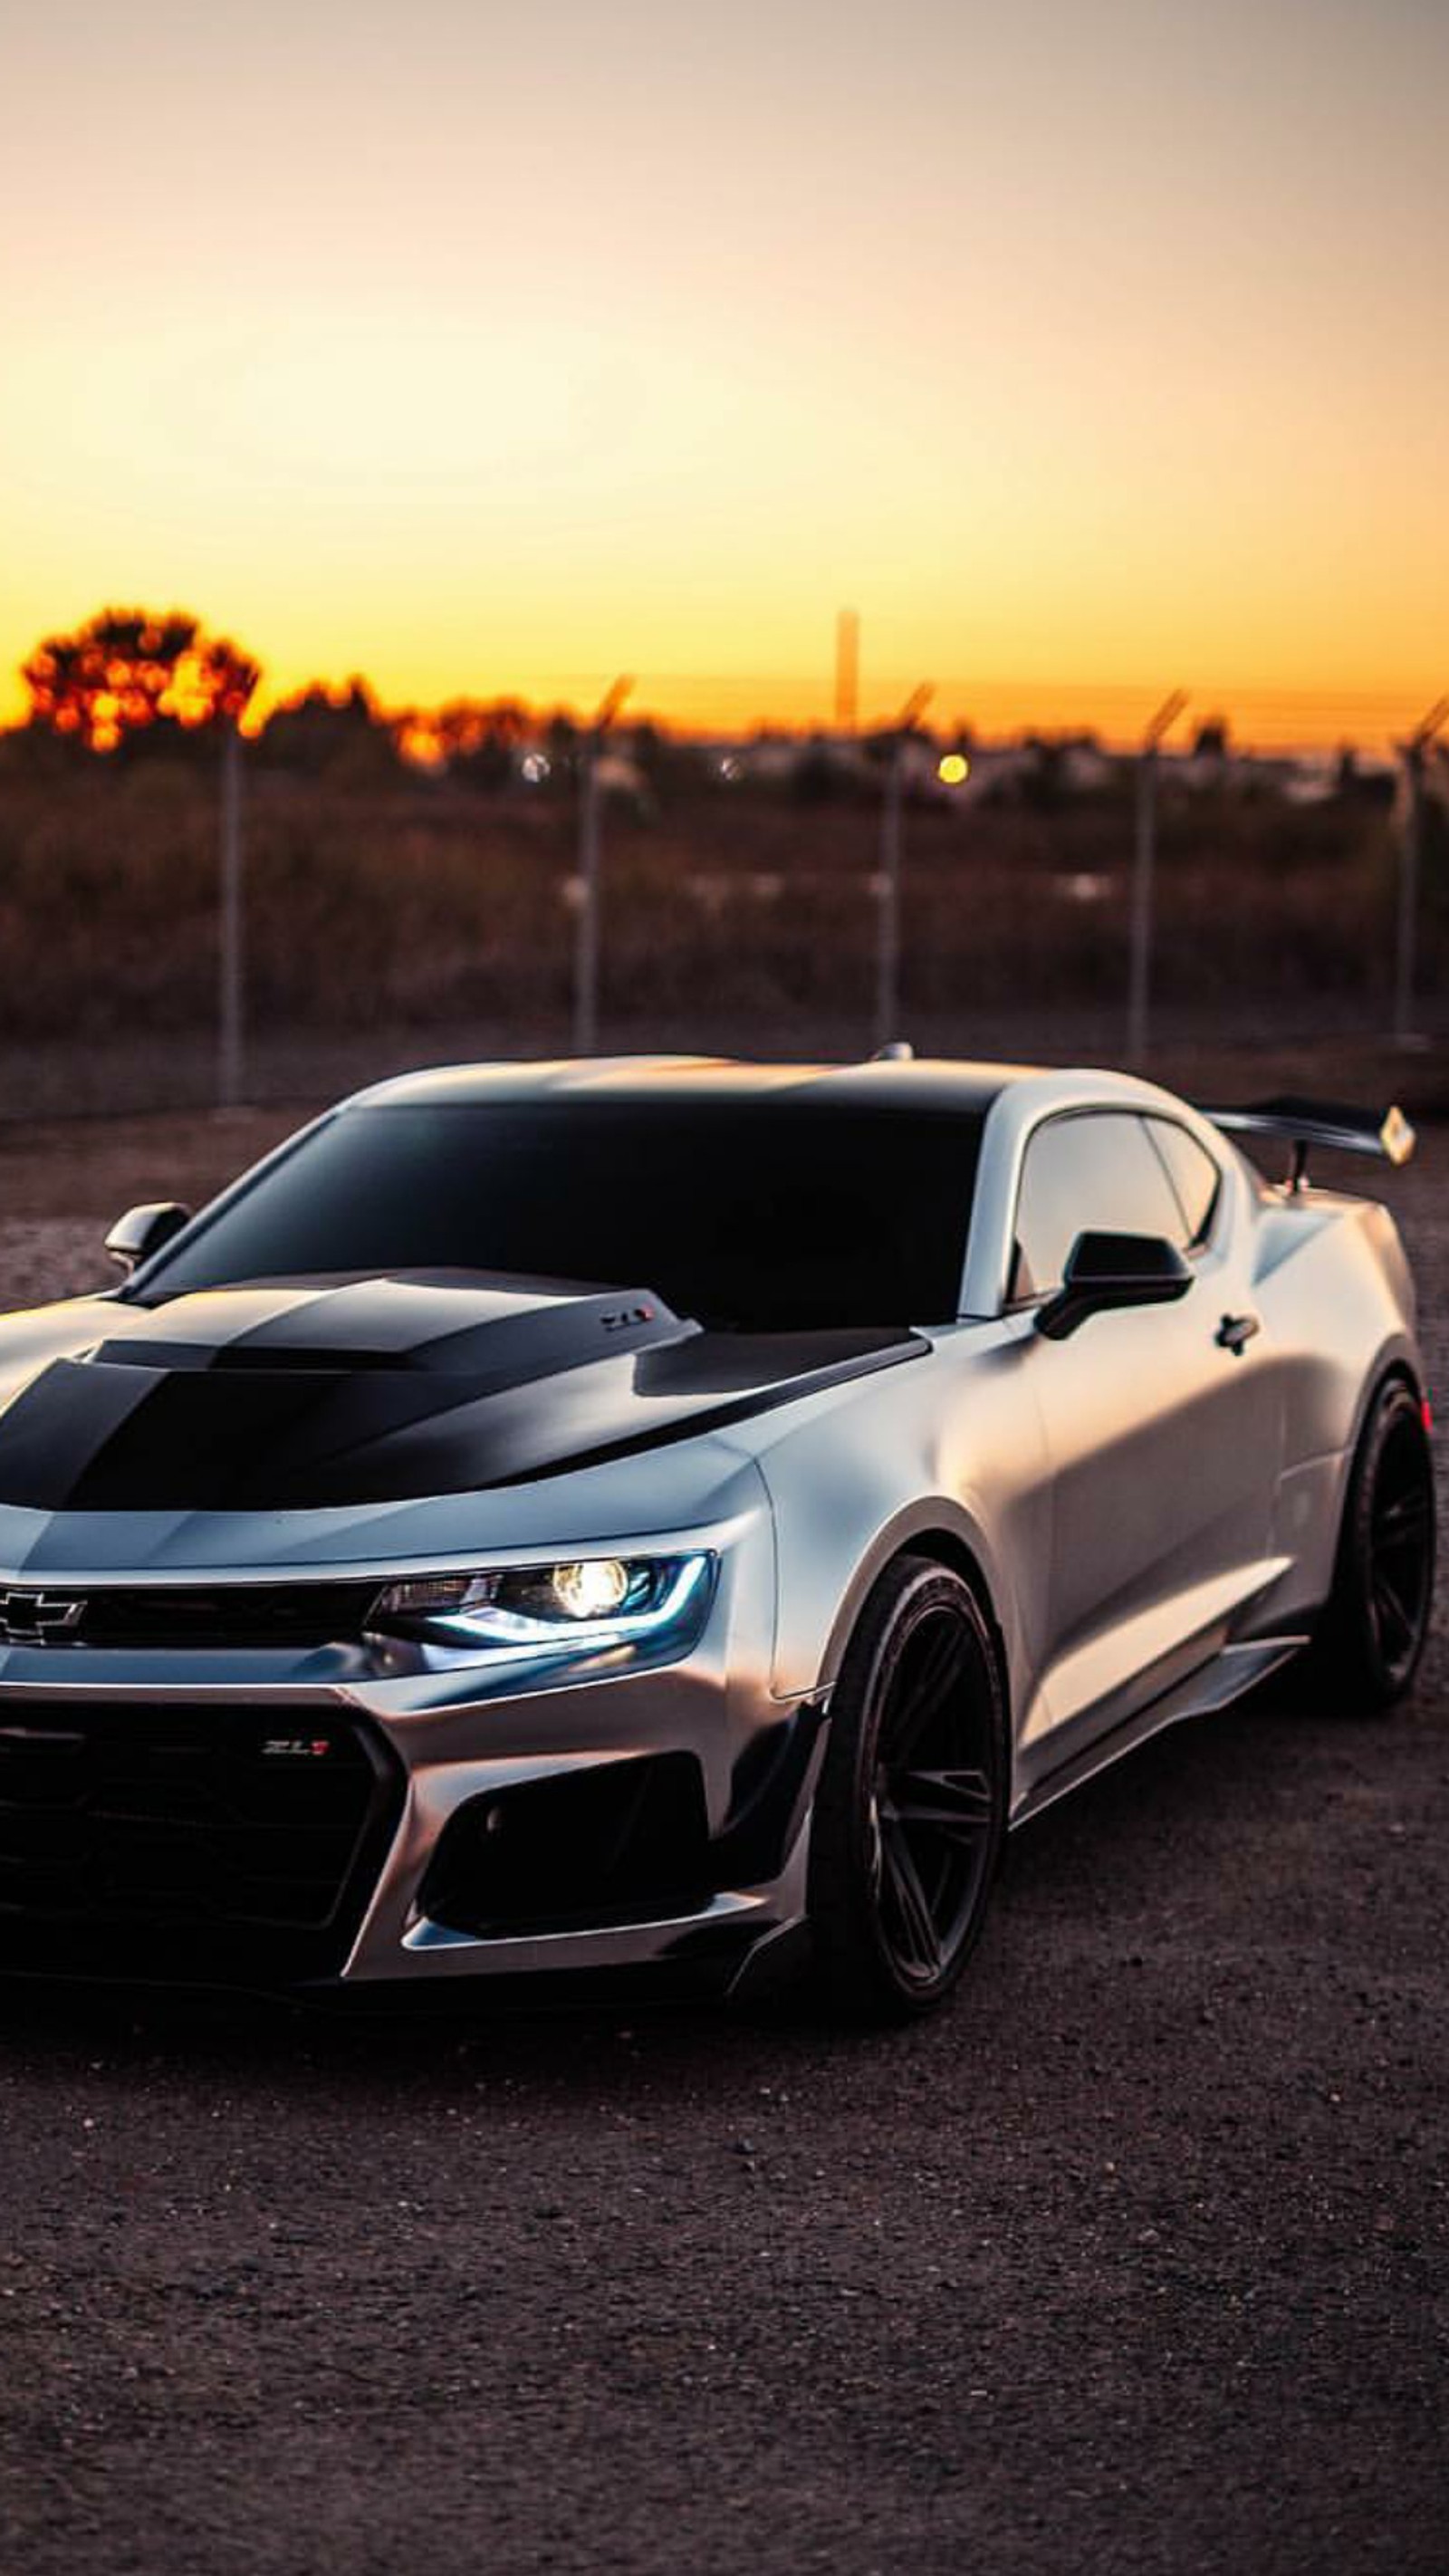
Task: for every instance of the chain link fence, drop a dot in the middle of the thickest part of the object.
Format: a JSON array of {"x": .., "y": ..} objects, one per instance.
[{"x": 391, "y": 917}]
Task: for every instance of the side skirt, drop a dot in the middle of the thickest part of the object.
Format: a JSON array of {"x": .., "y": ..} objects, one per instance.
[{"x": 1232, "y": 1672}]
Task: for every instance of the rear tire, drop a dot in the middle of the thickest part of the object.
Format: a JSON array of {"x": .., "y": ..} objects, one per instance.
[
  {"x": 1373, "y": 1628},
  {"x": 910, "y": 1812}
]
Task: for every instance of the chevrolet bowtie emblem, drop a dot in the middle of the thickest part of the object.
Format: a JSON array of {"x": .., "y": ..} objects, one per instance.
[{"x": 36, "y": 1618}]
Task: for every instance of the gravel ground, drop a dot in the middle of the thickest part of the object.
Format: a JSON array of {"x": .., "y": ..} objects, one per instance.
[{"x": 1134, "y": 2260}]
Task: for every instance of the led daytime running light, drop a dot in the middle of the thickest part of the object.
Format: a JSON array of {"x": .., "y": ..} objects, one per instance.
[{"x": 579, "y": 1605}]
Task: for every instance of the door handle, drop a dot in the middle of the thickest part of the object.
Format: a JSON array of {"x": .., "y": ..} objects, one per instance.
[{"x": 1235, "y": 1332}]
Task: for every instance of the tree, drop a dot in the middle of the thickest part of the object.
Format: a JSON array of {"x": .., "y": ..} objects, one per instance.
[
  {"x": 475, "y": 741},
  {"x": 338, "y": 734},
  {"x": 130, "y": 673}
]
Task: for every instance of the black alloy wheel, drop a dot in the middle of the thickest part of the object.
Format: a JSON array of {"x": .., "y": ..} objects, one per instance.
[
  {"x": 1374, "y": 1628},
  {"x": 911, "y": 1809}
]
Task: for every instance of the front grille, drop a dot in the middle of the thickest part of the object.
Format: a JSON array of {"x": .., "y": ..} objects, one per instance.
[
  {"x": 189, "y": 1841},
  {"x": 211, "y": 1615}
]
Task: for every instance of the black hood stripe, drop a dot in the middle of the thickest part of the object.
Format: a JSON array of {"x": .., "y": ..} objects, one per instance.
[{"x": 487, "y": 1391}]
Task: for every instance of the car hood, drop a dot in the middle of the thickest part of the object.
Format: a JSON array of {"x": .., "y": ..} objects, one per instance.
[{"x": 310, "y": 1395}]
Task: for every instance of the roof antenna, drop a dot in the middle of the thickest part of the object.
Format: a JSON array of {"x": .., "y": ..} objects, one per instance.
[{"x": 899, "y": 1051}]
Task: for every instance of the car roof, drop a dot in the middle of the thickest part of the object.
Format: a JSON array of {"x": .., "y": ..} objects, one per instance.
[{"x": 880, "y": 1083}]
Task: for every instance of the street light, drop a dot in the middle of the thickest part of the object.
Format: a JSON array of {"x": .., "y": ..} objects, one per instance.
[
  {"x": 587, "y": 888},
  {"x": 1144, "y": 870},
  {"x": 888, "y": 880}
]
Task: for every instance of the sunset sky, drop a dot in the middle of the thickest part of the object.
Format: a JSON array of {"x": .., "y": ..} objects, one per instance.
[{"x": 1084, "y": 351}]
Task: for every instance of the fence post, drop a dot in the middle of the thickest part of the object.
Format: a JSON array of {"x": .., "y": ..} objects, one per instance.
[
  {"x": 231, "y": 1017},
  {"x": 888, "y": 895},
  {"x": 586, "y": 920},
  {"x": 588, "y": 883},
  {"x": 1144, "y": 875},
  {"x": 1412, "y": 753},
  {"x": 888, "y": 878}
]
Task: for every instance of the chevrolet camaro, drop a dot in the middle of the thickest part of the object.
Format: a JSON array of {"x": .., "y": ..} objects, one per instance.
[{"x": 674, "y": 1518}]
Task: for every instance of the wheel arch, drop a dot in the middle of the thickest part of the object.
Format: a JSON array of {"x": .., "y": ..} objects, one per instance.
[
  {"x": 1396, "y": 1362},
  {"x": 940, "y": 1540},
  {"x": 947, "y": 1547},
  {"x": 1348, "y": 1649}
]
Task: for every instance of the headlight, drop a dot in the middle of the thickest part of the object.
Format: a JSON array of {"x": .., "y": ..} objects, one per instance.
[{"x": 580, "y": 1606}]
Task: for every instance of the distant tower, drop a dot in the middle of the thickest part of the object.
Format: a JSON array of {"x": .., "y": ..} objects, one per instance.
[{"x": 847, "y": 669}]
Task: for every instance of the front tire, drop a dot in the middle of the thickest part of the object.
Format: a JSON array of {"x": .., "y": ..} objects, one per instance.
[
  {"x": 910, "y": 1813},
  {"x": 1373, "y": 1629}
]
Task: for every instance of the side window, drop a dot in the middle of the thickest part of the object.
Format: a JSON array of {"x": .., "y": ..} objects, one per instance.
[
  {"x": 1193, "y": 1173},
  {"x": 1091, "y": 1173}
]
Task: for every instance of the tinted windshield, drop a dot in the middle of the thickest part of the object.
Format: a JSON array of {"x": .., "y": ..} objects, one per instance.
[{"x": 760, "y": 1214}]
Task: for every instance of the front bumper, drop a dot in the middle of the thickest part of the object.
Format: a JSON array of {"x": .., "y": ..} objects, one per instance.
[{"x": 336, "y": 1818}]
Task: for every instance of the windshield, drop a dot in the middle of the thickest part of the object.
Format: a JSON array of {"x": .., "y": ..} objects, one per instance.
[{"x": 754, "y": 1214}]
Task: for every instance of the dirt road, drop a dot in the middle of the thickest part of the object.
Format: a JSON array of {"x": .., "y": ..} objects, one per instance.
[{"x": 1135, "y": 2260}]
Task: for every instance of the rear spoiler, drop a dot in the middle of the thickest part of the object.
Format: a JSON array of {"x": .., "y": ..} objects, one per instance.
[{"x": 1303, "y": 1123}]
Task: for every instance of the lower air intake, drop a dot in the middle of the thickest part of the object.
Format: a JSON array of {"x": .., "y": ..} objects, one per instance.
[{"x": 620, "y": 1842}]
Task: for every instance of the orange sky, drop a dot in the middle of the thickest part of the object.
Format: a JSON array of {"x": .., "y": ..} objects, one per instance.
[{"x": 1086, "y": 353}]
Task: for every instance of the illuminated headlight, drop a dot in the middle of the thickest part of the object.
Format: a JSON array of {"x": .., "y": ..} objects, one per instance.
[
  {"x": 593, "y": 1588},
  {"x": 579, "y": 1606}
]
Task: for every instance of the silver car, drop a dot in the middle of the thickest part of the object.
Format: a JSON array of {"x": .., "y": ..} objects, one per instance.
[{"x": 676, "y": 1517}]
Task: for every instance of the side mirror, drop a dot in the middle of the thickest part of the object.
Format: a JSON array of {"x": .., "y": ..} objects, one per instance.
[
  {"x": 1112, "y": 1270},
  {"x": 142, "y": 1230}
]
